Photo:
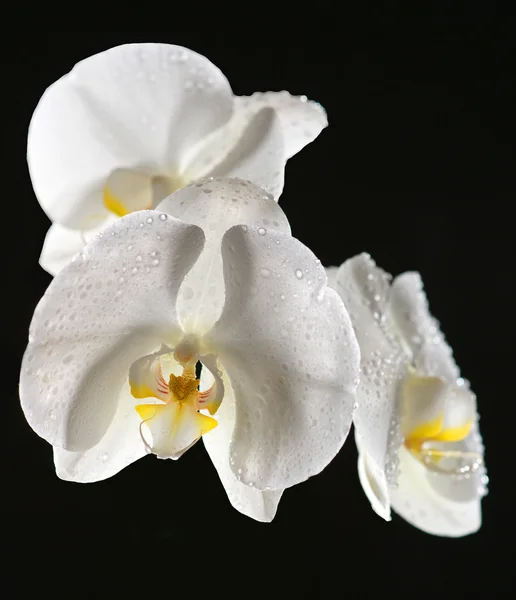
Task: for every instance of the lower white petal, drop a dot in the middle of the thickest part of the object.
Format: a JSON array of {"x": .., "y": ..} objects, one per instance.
[
  {"x": 437, "y": 504},
  {"x": 257, "y": 504}
]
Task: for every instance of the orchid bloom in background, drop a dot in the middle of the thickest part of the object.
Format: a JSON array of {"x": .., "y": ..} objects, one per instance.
[
  {"x": 420, "y": 450},
  {"x": 129, "y": 126},
  {"x": 211, "y": 276}
]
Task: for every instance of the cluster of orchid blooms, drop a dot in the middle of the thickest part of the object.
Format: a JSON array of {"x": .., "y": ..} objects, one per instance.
[{"x": 182, "y": 307}]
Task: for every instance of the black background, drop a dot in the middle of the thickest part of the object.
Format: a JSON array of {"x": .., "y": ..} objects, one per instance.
[{"x": 417, "y": 168}]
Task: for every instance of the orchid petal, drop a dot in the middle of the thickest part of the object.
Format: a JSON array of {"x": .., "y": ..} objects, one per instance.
[
  {"x": 136, "y": 106},
  {"x": 259, "y": 155},
  {"x": 408, "y": 308},
  {"x": 364, "y": 289},
  {"x": 301, "y": 120},
  {"x": 260, "y": 505},
  {"x": 216, "y": 205},
  {"x": 287, "y": 345},
  {"x": 112, "y": 304}
]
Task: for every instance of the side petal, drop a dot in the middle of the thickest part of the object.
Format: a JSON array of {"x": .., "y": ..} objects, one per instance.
[
  {"x": 408, "y": 307},
  {"x": 114, "y": 303},
  {"x": 436, "y": 504},
  {"x": 120, "y": 446},
  {"x": 301, "y": 120},
  {"x": 216, "y": 205},
  {"x": 364, "y": 288},
  {"x": 136, "y": 106},
  {"x": 286, "y": 343}
]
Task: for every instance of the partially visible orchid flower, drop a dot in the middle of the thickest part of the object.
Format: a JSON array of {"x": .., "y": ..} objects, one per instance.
[
  {"x": 109, "y": 373},
  {"x": 416, "y": 429},
  {"x": 131, "y": 125}
]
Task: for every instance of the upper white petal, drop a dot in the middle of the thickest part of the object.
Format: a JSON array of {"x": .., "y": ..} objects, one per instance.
[
  {"x": 364, "y": 289},
  {"x": 288, "y": 348},
  {"x": 216, "y": 205},
  {"x": 408, "y": 308},
  {"x": 114, "y": 303},
  {"x": 143, "y": 106},
  {"x": 260, "y": 505}
]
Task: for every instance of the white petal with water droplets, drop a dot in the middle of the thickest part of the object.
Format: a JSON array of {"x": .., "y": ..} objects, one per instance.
[
  {"x": 408, "y": 307},
  {"x": 364, "y": 288},
  {"x": 287, "y": 345},
  {"x": 112, "y": 304},
  {"x": 216, "y": 205},
  {"x": 260, "y": 505}
]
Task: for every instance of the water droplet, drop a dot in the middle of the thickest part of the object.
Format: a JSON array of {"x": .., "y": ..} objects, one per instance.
[
  {"x": 299, "y": 274},
  {"x": 138, "y": 258},
  {"x": 262, "y": 231},
  {"x": 163, "y": 217},
  {"x": 105, "y": 456},
  {"x": 149, "y": 220}
]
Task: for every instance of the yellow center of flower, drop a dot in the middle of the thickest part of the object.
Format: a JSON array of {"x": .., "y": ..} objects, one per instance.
[
  {"x": 437, "y": 418},
  {"x": 173, "y": 422}
]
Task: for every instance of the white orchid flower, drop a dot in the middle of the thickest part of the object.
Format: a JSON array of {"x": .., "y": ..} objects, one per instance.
[
  {"x": 420, "y": 450},
  {"x": 109, "y": 371},
  {"x": 131, "y": 125}
]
